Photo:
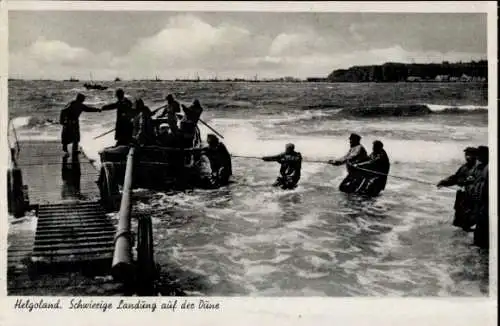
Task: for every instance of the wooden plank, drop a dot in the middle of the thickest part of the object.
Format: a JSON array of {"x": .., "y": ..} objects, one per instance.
[
  {"x": 93, "y": 244},
  {"x": 74, "y": 235},
  {"x": 74, "y": 252},
  {"x": 73, "y": 224},
  {"x": 109, "y": 238}
]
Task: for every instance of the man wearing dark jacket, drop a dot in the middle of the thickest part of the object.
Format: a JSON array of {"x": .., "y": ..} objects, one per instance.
[
  {"x": 69, "y": 119},
  {"x": 463, "y": 178},
  {"x": 220, "y": 160},
  {"x": 124, "y": 117},
  {"x": 480, "y": 196},
  {"x": 170, "y": 113},
  {"x": 189, "y": 124},
  {"x": 291, "y": 165},
  {"x": 144, "y": 133},
  {"x": 378, "y": 162}
]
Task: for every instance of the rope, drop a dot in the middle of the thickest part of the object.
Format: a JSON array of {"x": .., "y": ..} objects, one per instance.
[{"x": 366, "y": 170}]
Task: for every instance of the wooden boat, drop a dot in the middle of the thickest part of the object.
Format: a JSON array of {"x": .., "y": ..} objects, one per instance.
[
  {"x": 155, "y": 168},
  {"x": 95, "y": 86}
]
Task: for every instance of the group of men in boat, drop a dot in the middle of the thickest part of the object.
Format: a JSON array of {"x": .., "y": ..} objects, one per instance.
[
  {"x": 367, "y": 174},
  {"x": 166, "y": 127},
  {"x": 471, "y": 202}
]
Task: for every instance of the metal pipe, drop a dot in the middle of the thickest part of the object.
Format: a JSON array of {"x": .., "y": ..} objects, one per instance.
[{"x": 122, "y": 268}]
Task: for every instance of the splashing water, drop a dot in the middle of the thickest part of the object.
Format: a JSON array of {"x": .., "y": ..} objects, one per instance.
[{"x": 251, "y": 239}]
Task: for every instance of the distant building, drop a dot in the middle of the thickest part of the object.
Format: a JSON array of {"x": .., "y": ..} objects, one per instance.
[
  {"x": 442, "y": 78},
  {"x": 413, "y": 79},
  {"x": 465, "y": 78}
]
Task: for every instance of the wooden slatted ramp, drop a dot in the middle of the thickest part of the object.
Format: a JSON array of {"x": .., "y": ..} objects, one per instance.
[{"x": 73, "y": 232}]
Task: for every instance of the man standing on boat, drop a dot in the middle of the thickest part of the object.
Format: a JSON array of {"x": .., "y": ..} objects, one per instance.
[
  {"x": 291, "y": 165},
  {"x": 189, "y": 124},
  {"x": 70, "y": 120},
  {"x": 462, "y": 178},
  {"x": 144, "y": 134},
  {"x": 170, "y": 113},
  {"x": 124, "y": 117}
]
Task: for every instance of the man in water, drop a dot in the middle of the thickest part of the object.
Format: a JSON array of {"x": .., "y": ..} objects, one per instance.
[
  {"x": 143, "y": 125},
  {"x": 188, "y": 126},
  {"x": 356, "y": 154},
  {"x": 170, "y": 113},
  {"x": 378, "y": 161},
  {"x": 480, "y": 196},
  {"x": 70, "y": 120},
  {"x": 462, "y": 178},
  {"x": 220, "y": 160},
  {"x": 124, "y": 117},
  {"x": 291, "y": 165}
]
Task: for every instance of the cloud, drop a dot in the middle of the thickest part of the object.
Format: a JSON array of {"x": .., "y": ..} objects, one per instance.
[
  {"x": 188, "y": 45},
  {"x": 56, "y": 59}
]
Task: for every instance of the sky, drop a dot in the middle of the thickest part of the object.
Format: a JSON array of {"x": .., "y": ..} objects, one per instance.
[{"x": 136, "y": 45}]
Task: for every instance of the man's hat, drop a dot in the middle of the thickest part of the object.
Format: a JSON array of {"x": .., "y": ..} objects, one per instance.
[
  {"x": 470, "y": 150},
  {"x": 355, "y": 136},
  {"x": 290, "y": 146},
  {"x": 482, "y": 150}
]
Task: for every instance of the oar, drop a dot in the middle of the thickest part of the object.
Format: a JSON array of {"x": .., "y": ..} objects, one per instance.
[
  {"x": 208, "y": 126},
  {"x": 215, "y": 131},
  {"x": 110, "y": 131}
]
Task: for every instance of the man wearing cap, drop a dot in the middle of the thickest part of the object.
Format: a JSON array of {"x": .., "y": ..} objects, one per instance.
[
  {"x": 291, "y": 164},
  {"x": 69, "y": 119},
  {"x": 356, "y": 154},
  {"x": 463, "y": 178},
  {"x": 124, "y": 118},
  {"x": 220, "y": 160}
]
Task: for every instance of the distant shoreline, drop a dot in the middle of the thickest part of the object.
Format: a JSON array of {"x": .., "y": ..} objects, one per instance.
[{"x": 264, "y": 81}]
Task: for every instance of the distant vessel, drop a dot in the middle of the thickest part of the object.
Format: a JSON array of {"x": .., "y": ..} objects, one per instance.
[
  {"x": 72, "y": 79},
  {"x": 157, "y": 79},
  {"x": 93, "y": 85}
]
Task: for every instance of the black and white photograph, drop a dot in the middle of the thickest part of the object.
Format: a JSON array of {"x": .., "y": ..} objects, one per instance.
[{"x": 249, "y": 154}]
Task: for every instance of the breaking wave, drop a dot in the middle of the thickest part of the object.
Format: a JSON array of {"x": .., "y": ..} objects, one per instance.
[
  {"x": 408, "y": 110},
  {"x": 28, "y": 122}
]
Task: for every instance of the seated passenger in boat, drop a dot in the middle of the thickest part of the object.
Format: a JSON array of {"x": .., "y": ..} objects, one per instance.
[
  {"x": 166, "y": 138},
  {"x": 291, "y": 165},
  {"x": 375, "y": 170},
  {"x": 220, "y": 160}
]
